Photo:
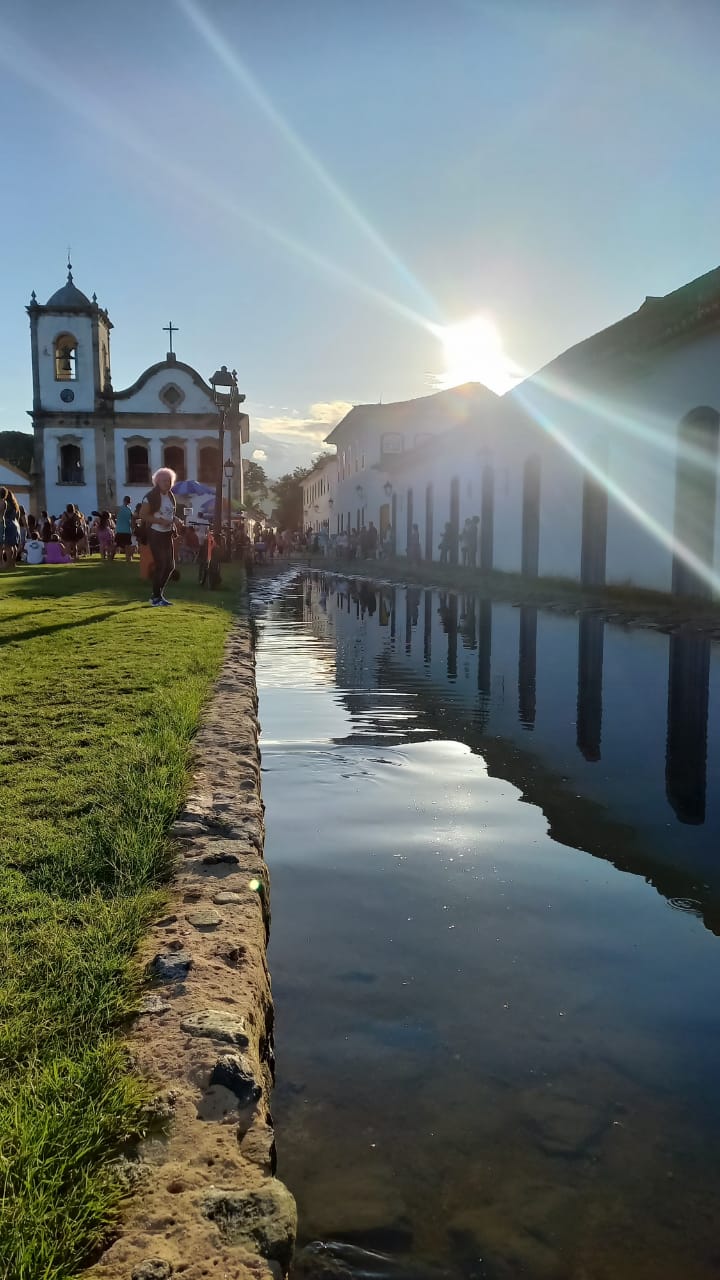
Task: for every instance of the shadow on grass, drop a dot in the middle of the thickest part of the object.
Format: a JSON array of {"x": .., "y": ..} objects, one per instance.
[
  {"x": 115, "y": 583},
  {"x": 70, "y": 625}
]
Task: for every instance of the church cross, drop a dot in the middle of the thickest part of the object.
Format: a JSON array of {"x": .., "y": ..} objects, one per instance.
[{"x": 171, "y": 329}]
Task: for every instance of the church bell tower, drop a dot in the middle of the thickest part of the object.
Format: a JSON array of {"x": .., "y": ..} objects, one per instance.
[{"x": 72, "y": 397}]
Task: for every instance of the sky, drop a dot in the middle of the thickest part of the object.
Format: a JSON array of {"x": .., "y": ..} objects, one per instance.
[{"x": 352, "y": 202}]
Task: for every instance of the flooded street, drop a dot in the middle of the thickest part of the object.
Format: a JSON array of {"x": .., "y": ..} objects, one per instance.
[{"x": 493, "y": 837}]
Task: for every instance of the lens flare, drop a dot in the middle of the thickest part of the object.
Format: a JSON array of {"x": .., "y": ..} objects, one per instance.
[{"x": 473, "y": 352}]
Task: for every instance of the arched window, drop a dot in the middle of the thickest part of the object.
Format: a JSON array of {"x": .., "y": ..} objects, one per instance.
[
  {"x": 70, "y": 470},
  {"x": 208, "y": 463},
  {"x": 65, "y": 358},
  {"x": 174, "y": 457},
  {"x": 137, "y": 463}
]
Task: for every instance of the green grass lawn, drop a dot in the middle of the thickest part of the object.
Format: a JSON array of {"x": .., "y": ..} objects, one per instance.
[{"x": 100, "y": 697}]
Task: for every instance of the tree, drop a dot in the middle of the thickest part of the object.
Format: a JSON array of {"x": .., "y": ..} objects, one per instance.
[
  {"x": 255, "y": 483},
  {"x": 16, "y": 447},
  {"x": 288, "y": 498}
]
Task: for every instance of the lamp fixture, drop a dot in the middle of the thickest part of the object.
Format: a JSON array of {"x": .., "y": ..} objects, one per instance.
[
  {"x": 387, "y": 489},
  {"x": 222, "y": 384}
]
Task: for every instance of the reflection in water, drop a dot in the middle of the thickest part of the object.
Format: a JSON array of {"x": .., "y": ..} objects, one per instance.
[
  {"x": 590, "y": 673},
  {"x": 497, "y": 1054},
  {"x": 448, "y": 614},
  {"x": 688, "y": 694},
  {"x": 527, "y": 665}
]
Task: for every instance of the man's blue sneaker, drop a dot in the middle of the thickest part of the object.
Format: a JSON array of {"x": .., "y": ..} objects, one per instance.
[{"x": 162, "y": 600}]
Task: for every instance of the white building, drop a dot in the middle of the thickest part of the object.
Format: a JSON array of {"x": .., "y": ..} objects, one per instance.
[
  {"x": 375, "y": 441},
  {"x": 318, "y": 494},
  {"x": 94, "y": 445},
  {"x": 600, "y": 468},
  {"x": 11, "y": 477}
]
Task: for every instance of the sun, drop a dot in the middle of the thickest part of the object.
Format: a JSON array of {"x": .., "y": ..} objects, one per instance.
[{"x": 473, "y": 352}]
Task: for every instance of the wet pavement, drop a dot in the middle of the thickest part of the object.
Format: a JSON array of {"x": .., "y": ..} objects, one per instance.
[{"x": 493, "y": 836}]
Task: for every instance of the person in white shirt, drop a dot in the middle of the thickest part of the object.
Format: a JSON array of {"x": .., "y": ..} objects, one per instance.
[
  {"x": 34, "y": 550},
  {"x": 158, "y": 513}
]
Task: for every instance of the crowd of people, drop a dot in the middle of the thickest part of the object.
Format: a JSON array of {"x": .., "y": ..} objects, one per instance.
[
  {"x": 127, "y": 533},
  {"x": 370, "y": 544},
  {"x": 49, "y": 539}
]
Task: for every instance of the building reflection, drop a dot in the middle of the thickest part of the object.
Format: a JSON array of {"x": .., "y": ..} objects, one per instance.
[
  {"x": 467, "y": 622},
  {"x": 687, "y": 722},
  {"x": 484, "y": 647},
  {"x": 448, "y": 614},
  {"x": 527, "y": 666},
  {"x": 427, "y": 628},
  {"x": 569, "y": 684},
  {"x": 591, "y": 638},
  {"x": 536, "y": 658}
]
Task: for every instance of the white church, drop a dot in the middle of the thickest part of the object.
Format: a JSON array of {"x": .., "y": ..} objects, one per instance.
[{"x": 94, "y": 445}]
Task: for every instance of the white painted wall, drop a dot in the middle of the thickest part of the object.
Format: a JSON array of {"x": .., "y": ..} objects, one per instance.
[
  {"x": 638, "y": 421},
  {"x": 147, "y": 398},
  {"x": 319, "y": 491}
]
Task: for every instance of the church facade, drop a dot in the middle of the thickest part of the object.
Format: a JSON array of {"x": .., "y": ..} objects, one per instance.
[{"x": 94, "y": 445}]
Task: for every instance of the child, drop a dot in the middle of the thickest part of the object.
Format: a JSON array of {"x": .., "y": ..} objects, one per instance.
[{"x": 106, "y": 536}]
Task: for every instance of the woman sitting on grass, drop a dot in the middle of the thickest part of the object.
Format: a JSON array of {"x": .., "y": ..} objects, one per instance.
[{"x": 55, "y": 552}]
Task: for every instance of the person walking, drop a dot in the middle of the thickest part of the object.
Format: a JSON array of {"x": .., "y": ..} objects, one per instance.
[
  {"x": 467, "y": 542},
  {"x": 124, "y": 529},
  {"x": 158, "y": 514},
  {"x": 106, "y": 536},
  {"x": 445, "y": 542}
]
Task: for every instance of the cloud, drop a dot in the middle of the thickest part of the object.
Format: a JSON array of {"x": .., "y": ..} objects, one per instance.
[
  {"x": 290, "y": 438},
  {"x": 259, "y": 455},
  {"x": 329, "y": 411}
]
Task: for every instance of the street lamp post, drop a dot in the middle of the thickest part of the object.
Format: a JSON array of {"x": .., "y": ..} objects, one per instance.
[
  {"x": 229, "y": 469},
  {"x": 227, "y": 399}
]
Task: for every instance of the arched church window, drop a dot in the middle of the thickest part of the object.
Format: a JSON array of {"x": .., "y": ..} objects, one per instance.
[
  {"x": 208, "y": 463},
  {"x": 137, "y": 464},
  {"x": 174, "y": 457},
  {"x": 65, "y": 358},
  {"x": 70, "y": 470}
]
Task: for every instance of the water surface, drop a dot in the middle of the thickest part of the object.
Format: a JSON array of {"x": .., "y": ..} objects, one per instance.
[{"x": 493, "y": 840}]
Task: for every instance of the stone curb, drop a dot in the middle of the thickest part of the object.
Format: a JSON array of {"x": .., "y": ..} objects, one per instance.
[{"x": 205, "y": 1199}]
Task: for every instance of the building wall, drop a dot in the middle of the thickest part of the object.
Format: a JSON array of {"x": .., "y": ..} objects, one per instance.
[
  {"x": 147, "y": 398},
  {"x": 155, "y": 438},
  {"x": 319, "y": 489},
  {"x": 57, "y": 494}
]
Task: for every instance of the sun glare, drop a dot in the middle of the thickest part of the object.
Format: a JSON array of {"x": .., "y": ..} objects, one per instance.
[{"x": 473, "y": 352}]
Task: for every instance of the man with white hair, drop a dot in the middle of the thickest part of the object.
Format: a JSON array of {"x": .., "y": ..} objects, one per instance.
[{"x": 158, "y": 513}]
